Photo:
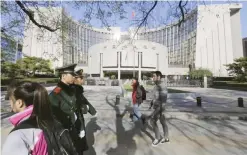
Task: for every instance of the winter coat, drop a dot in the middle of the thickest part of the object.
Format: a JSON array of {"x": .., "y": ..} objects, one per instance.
[{"x": 24, "y": 141}]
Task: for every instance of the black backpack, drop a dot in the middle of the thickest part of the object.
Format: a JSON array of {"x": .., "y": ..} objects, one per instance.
[
  {"x": 58, "y": 141},
  {"x": 143, "y": 93}
]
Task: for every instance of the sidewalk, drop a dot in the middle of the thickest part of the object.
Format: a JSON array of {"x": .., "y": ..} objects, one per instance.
[
  {"x": 112, "y": 133},
  {"x": 214, "y": 106}
]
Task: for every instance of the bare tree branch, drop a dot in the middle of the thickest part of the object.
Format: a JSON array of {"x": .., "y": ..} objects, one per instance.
[
  {"x": 31, "y": 17},
  {"x": 145, "y": 18},
  {"x": 181, "y": 7}
]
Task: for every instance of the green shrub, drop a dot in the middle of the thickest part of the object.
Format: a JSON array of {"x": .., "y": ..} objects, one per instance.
[
  {"x": 200, "y": 73},
  {"x": 7, "y": 81}
]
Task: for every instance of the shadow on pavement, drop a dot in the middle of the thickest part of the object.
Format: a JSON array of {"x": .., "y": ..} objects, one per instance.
[
  {"x": 222, "y": 131},
  {"x": 91, "y": 128},
  {"x": 126, "y": 145}
]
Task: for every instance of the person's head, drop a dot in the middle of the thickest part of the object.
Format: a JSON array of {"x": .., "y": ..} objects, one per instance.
[
  {"x": 67, "y": 78},
  {"x": 79, "y": 77},
  {"x": 24, "y": 94},
  {"x": 79, "y": 80},
  {"x": 67, "y": 74},
  {"x": 134, "y": 81},
  {"x": 157, "y": 75}
]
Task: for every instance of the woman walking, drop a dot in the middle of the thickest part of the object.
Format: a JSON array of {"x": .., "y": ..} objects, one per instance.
[
  {"x": 137, "y": 100},
  {"x": 33, "y": 123}
]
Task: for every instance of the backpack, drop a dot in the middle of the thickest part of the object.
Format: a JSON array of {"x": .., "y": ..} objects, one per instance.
[
  {"x": 143, "y": 93},
  {"x": 58, "y": 141}
]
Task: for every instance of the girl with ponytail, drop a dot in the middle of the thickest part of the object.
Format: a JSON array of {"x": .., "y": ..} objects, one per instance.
[{"x": 33, "y": 121}]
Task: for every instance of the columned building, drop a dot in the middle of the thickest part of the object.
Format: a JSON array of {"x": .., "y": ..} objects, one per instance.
[
  {"x": 209, "y": 38},
  {"x": 141, "y": 57}
]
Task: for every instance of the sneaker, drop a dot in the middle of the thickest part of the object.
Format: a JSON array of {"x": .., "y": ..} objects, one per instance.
[
  {"x": 164, "y": 140},
  {"x": 155, "y": 142}
]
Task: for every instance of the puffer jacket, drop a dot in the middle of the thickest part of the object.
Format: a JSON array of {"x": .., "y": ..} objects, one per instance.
[{"x": 24, "y": 141}]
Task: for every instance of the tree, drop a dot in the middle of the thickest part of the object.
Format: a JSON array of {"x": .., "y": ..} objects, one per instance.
[
  {"x": 10, "y": 69},
  {"x": 108, "y": 13},
  {"x": 200, "y": 73},
  {"x": 32, "y": 65},
  {"x": 238, "y": 69}
]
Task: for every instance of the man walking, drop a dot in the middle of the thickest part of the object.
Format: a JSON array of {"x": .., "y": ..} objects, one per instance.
[
  {"x": 63, "y": 101},
  {"x": 158, "y": 103},
  {"x": 83, "y": 107}
]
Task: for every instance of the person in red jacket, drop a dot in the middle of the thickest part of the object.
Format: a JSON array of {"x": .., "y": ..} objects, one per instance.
[{"x": 137, "y": 100}]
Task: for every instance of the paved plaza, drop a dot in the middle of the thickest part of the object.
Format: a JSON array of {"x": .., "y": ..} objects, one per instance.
[{"x": 112, "y": 133}]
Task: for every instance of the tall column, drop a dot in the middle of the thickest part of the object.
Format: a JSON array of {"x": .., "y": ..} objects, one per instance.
[
  {"x": 118, "y": 64},
  {"x": 101, "y": 65},
  {"x": 90, "y": 65},
  {"x": 139, "y": 75},
  {"x": 157, "y": 60},
  {"x": 119, "y": 74},
  {"x": 139, "y": 66}
]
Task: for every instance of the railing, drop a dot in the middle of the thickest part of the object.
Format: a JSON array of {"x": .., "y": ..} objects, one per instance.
[
  {"x": 101, "y": 82},
  {"x": 184, "y": 83}
]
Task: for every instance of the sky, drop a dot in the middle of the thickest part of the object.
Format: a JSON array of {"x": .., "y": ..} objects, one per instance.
[
  {"x": 243, "y": 19},
  {"x": 124, "y": 24}
]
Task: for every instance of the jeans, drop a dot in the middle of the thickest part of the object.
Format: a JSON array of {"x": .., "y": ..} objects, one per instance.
[
  {"x": 159, "y": 116},
  {"x": 136, "y": 112}
]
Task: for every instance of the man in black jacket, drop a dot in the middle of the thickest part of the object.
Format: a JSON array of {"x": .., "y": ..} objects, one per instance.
[
  {"x": 63, "y": 101},
  {"x": 84, "y": 106}
]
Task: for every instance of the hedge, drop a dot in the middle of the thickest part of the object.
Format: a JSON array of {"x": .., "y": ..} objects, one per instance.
[
  {"x": 7, "y": 81},
  {"x": 231, "y": 85}
]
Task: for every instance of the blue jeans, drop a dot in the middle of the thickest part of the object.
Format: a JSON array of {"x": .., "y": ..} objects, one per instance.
[{"x": 136, "y": 112}]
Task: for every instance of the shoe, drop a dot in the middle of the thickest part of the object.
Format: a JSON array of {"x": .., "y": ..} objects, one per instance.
[
  {"x": 155, "y": 142},
  {"x": 164, "y": 140}
]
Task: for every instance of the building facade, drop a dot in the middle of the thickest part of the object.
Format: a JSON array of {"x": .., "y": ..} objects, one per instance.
[
  {"x": 245, "y": 47},
  {"x": 11, "y": 49},
  {"x": 209, "y": 38},
  {"x": 140, "y": 56}
]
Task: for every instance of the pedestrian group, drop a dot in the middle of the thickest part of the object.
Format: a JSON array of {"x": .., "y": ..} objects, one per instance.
[{"x": 53, "y": 124}]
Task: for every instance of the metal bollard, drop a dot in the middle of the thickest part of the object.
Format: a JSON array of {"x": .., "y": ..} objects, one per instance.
[
  {"x": 199, "y": 101},
  {"x": 240, "y": 102},
  {"x": 117, "y": 100}
]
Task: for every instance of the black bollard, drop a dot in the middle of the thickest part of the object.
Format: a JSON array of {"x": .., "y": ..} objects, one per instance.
[
  {"x": 117, "y": 100},
  {"x": 240, "y": 102},
  {"x": 199, "y": 101}
]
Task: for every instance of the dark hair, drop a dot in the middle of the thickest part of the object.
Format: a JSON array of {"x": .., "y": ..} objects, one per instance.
[
  {"x": 33, "y": 93},
  {"x": 135, "y": 78},
  {"x": 137, "y": 81},
  {"x": 158, "y": 73}
]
